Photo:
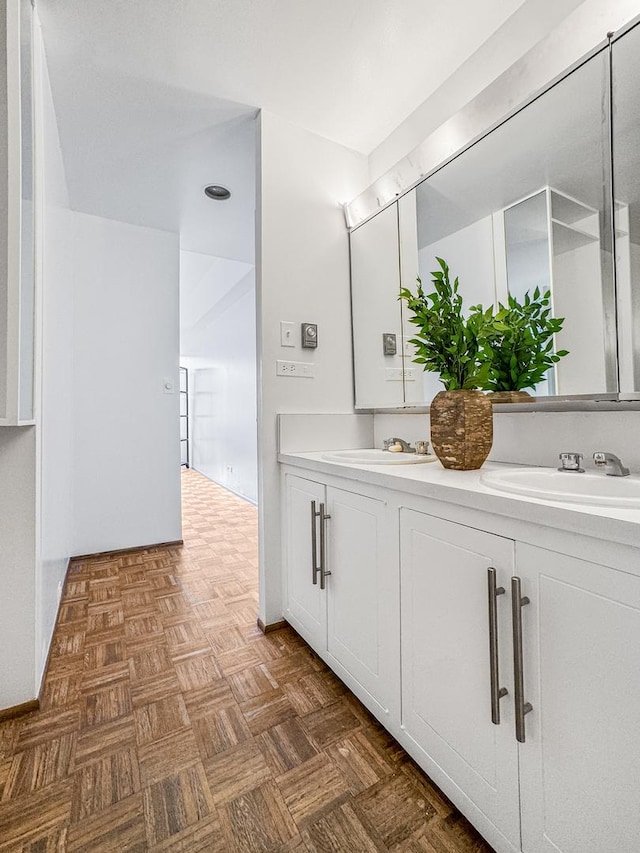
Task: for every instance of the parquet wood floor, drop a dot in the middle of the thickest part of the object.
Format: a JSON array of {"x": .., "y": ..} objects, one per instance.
[{"x": 170, "y": 723}]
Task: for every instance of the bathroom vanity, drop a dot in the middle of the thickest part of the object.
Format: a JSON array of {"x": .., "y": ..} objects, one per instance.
[
  {"x": 495, "y": 636},
  {"x": 494, "y": 633}
]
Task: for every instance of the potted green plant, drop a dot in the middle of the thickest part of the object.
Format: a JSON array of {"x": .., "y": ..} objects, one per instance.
[
  {"x": 522, "y": 346},
  {"x": 455, "y": 347}
]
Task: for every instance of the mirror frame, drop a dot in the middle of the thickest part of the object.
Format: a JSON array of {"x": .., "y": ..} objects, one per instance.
[{"x": 438, "y": 150}]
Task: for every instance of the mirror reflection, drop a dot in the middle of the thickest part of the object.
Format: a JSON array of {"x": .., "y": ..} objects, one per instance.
[
  {"x": 528, "y": 206},
  {"x": 626, "y": 180}
]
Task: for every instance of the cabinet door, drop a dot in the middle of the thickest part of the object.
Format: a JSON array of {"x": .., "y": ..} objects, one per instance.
[
  {"x": 306, "y": 608},
  {"x": 446, "y": 674},
  {"x": 363, "y": 596},
  {"x": 580, "y": 763}
]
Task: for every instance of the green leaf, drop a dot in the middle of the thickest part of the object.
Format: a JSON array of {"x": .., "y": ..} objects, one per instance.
[{"x": 507, "y": 348}]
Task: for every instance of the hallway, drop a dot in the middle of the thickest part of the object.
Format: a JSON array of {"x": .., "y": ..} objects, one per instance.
[{"x": 169, "y": 722}]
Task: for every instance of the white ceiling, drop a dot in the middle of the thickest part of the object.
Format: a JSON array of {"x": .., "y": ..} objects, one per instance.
[
  {"x": 156, "y": 98},
  {"x": 349, "y": 70},
  {"x": 142, "y": 152}
]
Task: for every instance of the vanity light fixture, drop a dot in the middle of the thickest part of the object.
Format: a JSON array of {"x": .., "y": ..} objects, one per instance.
[{"x": 217, "y": 192}]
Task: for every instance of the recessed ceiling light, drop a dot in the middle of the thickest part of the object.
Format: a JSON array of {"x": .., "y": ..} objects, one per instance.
[{"x": 219, "y": 193}]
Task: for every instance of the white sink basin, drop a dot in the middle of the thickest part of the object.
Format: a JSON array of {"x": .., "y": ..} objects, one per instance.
[
  {"x": 376, "y": 457},
  {"x": 551, "y": 485}
]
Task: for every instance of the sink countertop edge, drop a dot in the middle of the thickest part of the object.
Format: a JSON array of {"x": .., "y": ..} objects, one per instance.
[{"x": 613, "y": 524}]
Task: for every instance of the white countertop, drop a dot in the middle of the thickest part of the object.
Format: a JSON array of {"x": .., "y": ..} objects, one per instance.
[{"x": 463, "y": 488}]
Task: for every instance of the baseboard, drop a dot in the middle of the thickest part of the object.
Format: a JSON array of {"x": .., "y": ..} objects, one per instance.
[
  {"x": 119, "y": 551},
  {"x": 19, "y": 710},
  {"x": 272, "y": 626}
]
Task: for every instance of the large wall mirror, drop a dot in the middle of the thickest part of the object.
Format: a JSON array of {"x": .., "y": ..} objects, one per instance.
[{"x": 530, "y": 205}]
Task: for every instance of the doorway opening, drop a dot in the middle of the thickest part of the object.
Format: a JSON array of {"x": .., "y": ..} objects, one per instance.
[{"x": 218, "y": 375}]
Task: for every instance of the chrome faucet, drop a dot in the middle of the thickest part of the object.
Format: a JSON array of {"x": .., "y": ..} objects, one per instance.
[
  {"x": 570, "y": 462},
  {"x": 612, "y": 465},
  {"x": 406, "y": 447}
]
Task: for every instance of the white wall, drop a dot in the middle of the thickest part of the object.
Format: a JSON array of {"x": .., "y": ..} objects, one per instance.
[
  {"x": 56, "y": 412},
  {"x": 302, "y": 254},
  {"x": 220, "y": 354},
  {"x": 35, "y": 479},
  {"x": 126, "y": 453},
  {"x": 101, "y": 469},
  {"x": 536, "y": 438}
]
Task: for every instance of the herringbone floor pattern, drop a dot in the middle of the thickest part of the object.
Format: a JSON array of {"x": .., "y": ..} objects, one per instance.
[{"x": 170, "y": 723}]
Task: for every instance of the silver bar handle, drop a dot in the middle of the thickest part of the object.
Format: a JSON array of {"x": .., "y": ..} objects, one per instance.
[
  {"x": 497, "y": 692},
  {"x": 323, "y": 546},
  {"x": 315, "y": 568},
  {"x": 518, "y": 601}
]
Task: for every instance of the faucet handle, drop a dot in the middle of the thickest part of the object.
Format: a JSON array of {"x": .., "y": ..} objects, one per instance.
[{"x": 570, "y": 462}]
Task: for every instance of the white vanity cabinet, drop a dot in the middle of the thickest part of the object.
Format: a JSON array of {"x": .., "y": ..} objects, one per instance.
[
  {"x": 570, "y": 782},
  {"x": 510, "y": 672},
  {"x": 446, "y": 593},
  {"x": 580, "y": 762},
  {"x": 341, "y": 559}
]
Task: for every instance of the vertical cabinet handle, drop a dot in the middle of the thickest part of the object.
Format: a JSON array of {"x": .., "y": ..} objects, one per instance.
[
  {"x": 497, "y": 692},
  {"x": 314, "y": 543},
  {"x": 323, "y": 546},
  {"x": 518, "y": 601}
]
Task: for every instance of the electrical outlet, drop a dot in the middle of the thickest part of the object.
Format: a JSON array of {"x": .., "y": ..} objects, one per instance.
[
  {"x": 397, "y": 374},
  {"x": 229, "y": 469},
  {"x": 297, "y": 369}
]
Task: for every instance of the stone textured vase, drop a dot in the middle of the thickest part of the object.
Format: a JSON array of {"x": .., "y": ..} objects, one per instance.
[
  {"x": 461, "y": 428},
  {"x": 510, "y": 397}
]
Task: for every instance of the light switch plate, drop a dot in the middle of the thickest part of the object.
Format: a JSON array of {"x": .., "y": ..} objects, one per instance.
[
  {"x": 309, "y": 335},
  {"x": 287, "y": 333}
]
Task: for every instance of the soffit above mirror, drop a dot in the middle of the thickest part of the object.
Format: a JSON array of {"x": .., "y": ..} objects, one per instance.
[{"x": 550, "y": 60}]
